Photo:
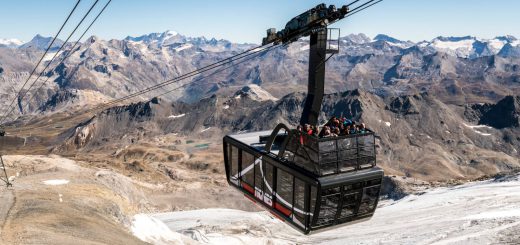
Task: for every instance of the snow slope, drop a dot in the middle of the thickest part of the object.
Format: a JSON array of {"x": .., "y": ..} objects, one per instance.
[
  {"x": 475, "y": 213},
  {"x": 11, "y": 43}
]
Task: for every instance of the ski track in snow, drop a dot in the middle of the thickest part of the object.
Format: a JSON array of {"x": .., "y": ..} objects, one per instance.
[{"x": 473, "y": 213}]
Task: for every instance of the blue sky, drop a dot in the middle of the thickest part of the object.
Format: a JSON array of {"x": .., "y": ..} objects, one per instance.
[{"x": 247, "y": 20}]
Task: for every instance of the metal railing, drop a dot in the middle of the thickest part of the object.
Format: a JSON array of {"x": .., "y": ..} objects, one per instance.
[{"x": 331, "y": 155}]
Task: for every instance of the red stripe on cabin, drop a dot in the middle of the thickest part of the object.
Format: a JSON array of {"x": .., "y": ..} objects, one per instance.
[
  {"x": 282, "y": 209},
  {"x": 248, "y": 188}
]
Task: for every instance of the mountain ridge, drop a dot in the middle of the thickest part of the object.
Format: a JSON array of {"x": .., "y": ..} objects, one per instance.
[
  {"x": 418, "y": 135},
  {"x": 115, "y": 68},
  {"x": 160, "y": 37}
]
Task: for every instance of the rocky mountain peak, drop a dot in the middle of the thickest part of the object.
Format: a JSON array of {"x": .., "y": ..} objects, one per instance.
[
  {"x": 41, "y": 43},
  {"x": 92, "y": 39},
  {"x": 359, "y": 38},
  {"x": 508, "y": 50},
  {"x": 406, "y": 104},
  {"x": 139, "y": 109},
  {"x": 254, "y": 92},
  {"x": 170, "y": 33},
  {"x": 162, "y": 39}
]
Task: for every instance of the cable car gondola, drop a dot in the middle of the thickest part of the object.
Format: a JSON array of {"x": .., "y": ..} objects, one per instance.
[
  {"x": 312, "y": 183},
  {"x": 319, "y": 183}
]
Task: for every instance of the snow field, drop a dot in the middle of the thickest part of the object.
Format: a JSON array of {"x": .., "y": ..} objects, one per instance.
[{"x": 473, "y": 213}]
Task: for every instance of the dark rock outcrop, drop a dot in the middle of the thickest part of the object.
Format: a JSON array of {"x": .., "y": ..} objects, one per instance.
[
  {"x": 405, "y": 105},
  {"x": 60, "y": 97},
  {"x": 504, "y": 114}
]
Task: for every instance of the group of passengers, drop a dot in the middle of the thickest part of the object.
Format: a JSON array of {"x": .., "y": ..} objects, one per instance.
[{"x": 334, "y": 127}]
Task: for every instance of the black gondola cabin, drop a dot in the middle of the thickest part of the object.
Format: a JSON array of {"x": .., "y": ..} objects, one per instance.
[{"x": 309, "y": 182}]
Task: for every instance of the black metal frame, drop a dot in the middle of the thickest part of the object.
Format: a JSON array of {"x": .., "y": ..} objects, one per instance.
[
  {"x": 331, "y": 182},
  {"x": 333, "y": 41},
  {"x": 320, "y": 183}
]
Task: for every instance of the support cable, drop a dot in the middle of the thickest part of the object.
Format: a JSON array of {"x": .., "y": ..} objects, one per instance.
[
  {"x": 48, "y": 64},
  {"x": 43, "y": 56},
  {"x": 182, "y": 77},
  {"x": 218, "y": 71},
  {"x": 69, "y": 53},
  {"x": 220, "y": 63},
  {"x": 211, "y": 66},
  {"x": 359, "y": 10}
]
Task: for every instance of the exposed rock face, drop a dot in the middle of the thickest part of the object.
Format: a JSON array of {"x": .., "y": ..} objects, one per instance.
[
  {"x": 418, "y": 135},
  {"x": 83, "y": 135},
  {"x": 405, "y": 105},
  {"x": 505, "y": 114},
  {"x": 474, "y": 112},
  {"x": 510, "y": 51},
  {"x": 58, "y": 98}
]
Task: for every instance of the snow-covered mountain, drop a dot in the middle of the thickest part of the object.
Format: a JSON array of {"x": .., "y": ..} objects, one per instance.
[
  {"x": 393, "y": 41},
  {"x": 10, "y": 43},
  {"x": 510, "y": 51},
  {"x": 179, "y": 42},
  {"x": 470, "y": 47},
  {"x": 462, "y": 47},
  {"x": 163, "y": 39},
  {"x": 41, "y": 43},
  {"x": 254, "y": 92},
  {"x": 356, "y": 39}
]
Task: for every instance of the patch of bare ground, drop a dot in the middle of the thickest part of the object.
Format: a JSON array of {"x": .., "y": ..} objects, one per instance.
[
  {"x": 56, "y": 201},
  {"x": 90, "y": 197}
]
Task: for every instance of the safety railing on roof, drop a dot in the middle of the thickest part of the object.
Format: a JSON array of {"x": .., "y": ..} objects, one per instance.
[{"x": 331, "y": 155}]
